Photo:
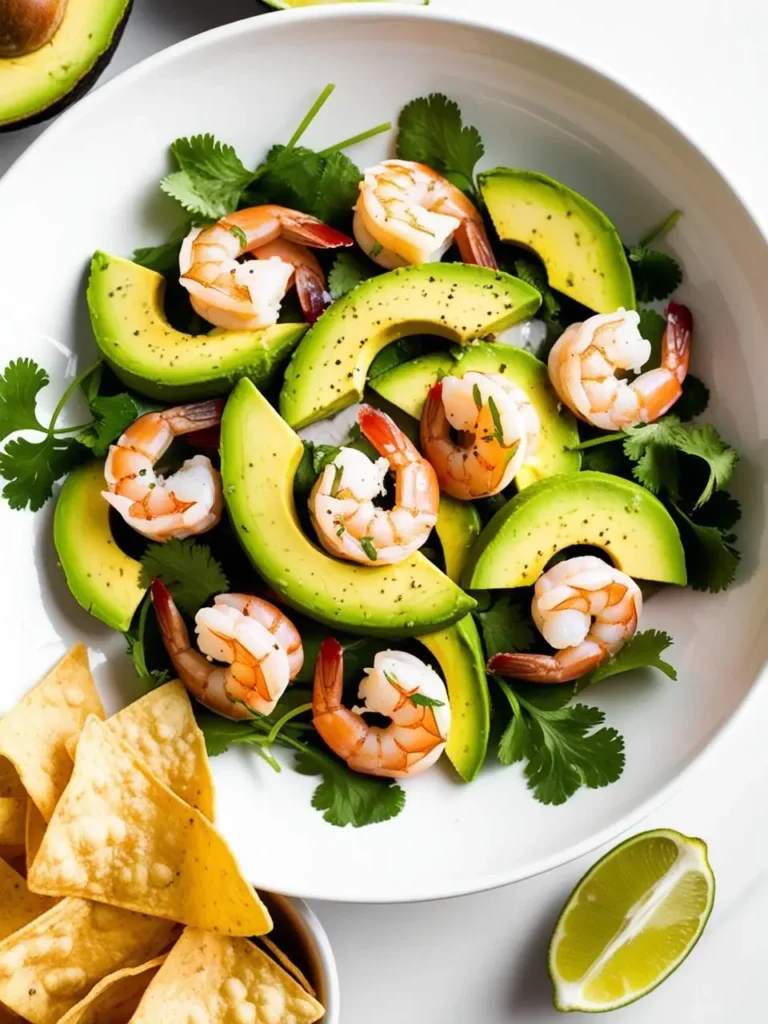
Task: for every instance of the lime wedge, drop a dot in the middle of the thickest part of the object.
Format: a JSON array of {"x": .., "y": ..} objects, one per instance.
[
  {"x": 285, "y": 5},
  {"x": 631, "y": 921}
]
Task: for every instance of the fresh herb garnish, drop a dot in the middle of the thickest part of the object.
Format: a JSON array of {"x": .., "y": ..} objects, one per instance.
[
  {"x": 506, "y": 627},
  {"x": 239, "y": 234},
  {"x": 366, "y": 543},
  {"x": 422, "y": 701},
  {"x": 164, "y": 258},
  {"x": 338, "y": 472},
  {"x": 188, "y": 569},
  {"x": 498, "y": 429},
  {"x": 477, "y": 396},
  {"x": 211, "y": 177},
  {"x": 708, "y": 540},
  {"x": 430, "y": 131},
  {"x": 561, "y": 743},
  {"x": 643, "y": 650},
  {"x": 113, "y": 414},
  {"x": 136, "y": 642},
  {"x": 656, "y": 274},
  {"x": 346, "y": 274},
  {"x": 376, "y": 248},
  {"x": 534, "y": 274}
]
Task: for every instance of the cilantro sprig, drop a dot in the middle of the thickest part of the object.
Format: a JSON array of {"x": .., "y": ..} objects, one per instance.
[
  {"x": 506, "y": 627},
  {"x": 643, "y": 650},
  {"x": 188, "y": 569},
  {"x": 656, "y": 274},
  {"x": 431, "y": 131}
]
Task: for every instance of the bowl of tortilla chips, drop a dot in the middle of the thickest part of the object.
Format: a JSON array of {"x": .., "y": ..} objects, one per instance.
[{"x": 119, "y": 900}]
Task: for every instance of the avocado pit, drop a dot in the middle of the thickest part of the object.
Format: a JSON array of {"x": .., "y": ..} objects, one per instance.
[{"x": 27, "y": 25}]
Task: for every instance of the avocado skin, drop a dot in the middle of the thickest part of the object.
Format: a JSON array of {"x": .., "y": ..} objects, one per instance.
[
  {"x": 259, "y": 457},
  {"x": 84, "y": 85},
  {"x": 565, "y": 510},
  {"x": 459, "y": 653}
]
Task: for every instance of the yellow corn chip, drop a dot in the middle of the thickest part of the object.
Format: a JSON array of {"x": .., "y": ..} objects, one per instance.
[
  {"x": 13, "y": 817},
  {"x": 115, "y": 999},
  {"x": 286, "y": 963},
  {"x": 121, "y": 837},
  {"x": 54, "y": 962},
  {"x": 35, "y": 827},
  {"x": 18, "y": 906},
  {"x": 6, "y": 1017},
  {"x": 34, "y": 733},
  {"x": 10, "y": 783},
  {"x": 161, "y": 728},
  {"x": 216, "y": 979}
]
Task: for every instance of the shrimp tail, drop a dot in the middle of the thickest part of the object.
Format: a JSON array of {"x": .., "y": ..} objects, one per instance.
[
  {"x": 312, "y": 293},
  {"x": 208, "y": 437},
  {"x": 310, "y": 231},
  {"x": 474, "y": 245},
  {"x": 676, "y": 343},
  {"x": 329, "y": 677},
  {"x": 172, "y": 627},
  {"x": 386, "y": 437},
  {"x": 199, "y": 416},
  {"x": 546, "y": 668}
]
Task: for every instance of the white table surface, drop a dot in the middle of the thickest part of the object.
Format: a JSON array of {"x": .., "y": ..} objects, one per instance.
[{"x": 481, "y": 959}]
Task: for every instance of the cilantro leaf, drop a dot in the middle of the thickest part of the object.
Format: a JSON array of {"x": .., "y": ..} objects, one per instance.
[
  {"x": 113, "y": 415},
  {"x": 722, "y": 511},
  {"x": 694, "y": 399},
  {"x": 430, "y": 131},
  {"x": 506, "y": 627},
  {"x": 366, "y": 543},
  {"x": 346, "y": 797},
  {"x": 346, "y": 273},
  {"x": 534, "y": 274},
  {"x": 656, "y": 274},
  {"x": 644, "y": 650},
  {"x": 141, "y": 648},
  {"x": 563, "y": 747},
  {"x": 324, "y": 186},
  {"x": 710, "y": 554},
  {"x": 188, "y": 569},
  {"x": 33, "y": 467},
  {"x": 20, "y": 383},
  {"x": 652, "y": 326},
  {"x": 422, "y": 701},
  {"x": 164, "y": 258},
  {"x": 337, "y": 189},
  {"x": 211, "y": 178},
  {"x": 705, "y": 443},
  {"x": 222, "y": 733}
]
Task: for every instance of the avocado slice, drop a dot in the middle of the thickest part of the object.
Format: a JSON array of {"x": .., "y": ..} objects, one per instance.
[
  {"x": 578, "y": 245},
  {"x": 103, "y": 579},
  {"x": 36, "y": 85},
  {"x": 453, "y": 300},
  {"x": 460, "y": 655},
  {"x": 406, "y": 387},
  {"x": 626, "y": 521},
  {"x": 128, "y": 320},
  {"x": 259, "y": 457},
  {"x": 458, "y": 525}
]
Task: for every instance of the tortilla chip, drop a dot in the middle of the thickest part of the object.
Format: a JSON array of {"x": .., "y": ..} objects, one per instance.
[
  {"x": 54, "y": 962},
  {"x": 18, "y": 906},
  {"x": 10, "y": 783},
  {"x": 115, "y": 999},
  {"x": 13, "y": 820},
  {"x": 121, "y": 837},
  {"x": 34, "y": 733},
  {"x": 286, "y": 963},
  {"x": 35, "y": 827},
  {"x": 162, "y": 730},
  {"x": 6, "y": 1017},
  {"x": 216, "y": 979}
]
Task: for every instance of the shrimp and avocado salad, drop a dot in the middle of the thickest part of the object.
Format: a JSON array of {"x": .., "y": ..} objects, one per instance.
[{"x": 382, "y": 463}]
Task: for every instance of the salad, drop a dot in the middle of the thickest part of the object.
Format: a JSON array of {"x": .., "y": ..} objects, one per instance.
[{"x": 382, "y": 464}]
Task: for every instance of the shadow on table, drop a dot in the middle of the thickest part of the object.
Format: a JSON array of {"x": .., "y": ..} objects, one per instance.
[
  {"x": 530, "y": 992},
  {"x": 200, "y": 15}
]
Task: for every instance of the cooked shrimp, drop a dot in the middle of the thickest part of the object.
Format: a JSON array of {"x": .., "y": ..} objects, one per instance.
[
  {"x": 407, "y": 213},
  {"x": 499, "y": 432},
  {"x": 184, "y": 504},
  {"x": 584, "y": 361},
  {"x": 247, "y": 296},
  {"x": 348, "y": 523},
  {"x": 261, "y": 646},
  {"x": 585, "y": 608},
  {"x": 417, "y": 733}
]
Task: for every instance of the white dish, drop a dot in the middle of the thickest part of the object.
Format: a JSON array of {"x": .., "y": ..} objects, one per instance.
[{"x": 91, "y": 182}]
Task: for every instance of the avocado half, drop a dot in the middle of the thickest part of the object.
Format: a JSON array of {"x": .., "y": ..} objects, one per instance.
[
  {"x": 103, "y": 579},
  {"x": 596, "y": 509},
  {"x": 328, "y": 370},
  {"x": 35, "y": 86},
  {"x": 406, "y": 386},
  {"x": 259, "y": 457},
  {"x": 126, "y": 303},
  {"x": 578, "y": 244}
]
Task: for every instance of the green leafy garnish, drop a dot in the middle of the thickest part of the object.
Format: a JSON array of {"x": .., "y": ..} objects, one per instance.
[
  {"x": 506, "y": 627},
  {"x": 239, "y": 234},
  {"x": 32, "y": 468},
  {"x": 656, "y": 274},
  {"x": 430, "y": 131},
  {"x": 422, "y": 701},
  {"x": 136, "y": 642},
  {"x": 338, "y": 472},
  {"x": 562, "y": 745},
  {"x": 211, "y": 177},
  {"x": 710, "y": 554},
  {"x": 113, "y": 415},
  {"x": 694, "y": 399},
  {"x": 651, "y": 327},
  {"x": 644, "y": 650},
  {"x": 477, "y": 396},
  {"x": 346, "y": 797},
  {"x": 366, "y": 543},
  {"x": 346, "y": 274},
  {"x": 164, "y": 258},
  {"x": 323, "y": 186},
  {"x": 20, "y": 384},
  {"x": 188, "y": 569},
  {"x": 498, "y": 429},
  {"x": 534, "y": 274}
]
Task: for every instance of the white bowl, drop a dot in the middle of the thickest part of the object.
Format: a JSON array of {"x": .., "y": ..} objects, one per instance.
[{"x": 91, "y": 182}]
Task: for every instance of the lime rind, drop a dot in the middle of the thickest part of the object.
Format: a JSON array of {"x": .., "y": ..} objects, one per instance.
[{"x": 569, "y": 996}]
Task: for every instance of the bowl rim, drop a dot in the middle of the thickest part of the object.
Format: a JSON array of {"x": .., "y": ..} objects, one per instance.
[
  {"x": 325, "y": 955},
  {"x": 488, "y": 24}
]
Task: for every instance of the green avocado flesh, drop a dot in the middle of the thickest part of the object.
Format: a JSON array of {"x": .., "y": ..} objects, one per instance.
[
  {"x": 406, "y": 387},
  {"x": 595, "y": 509},
  {"x": 460, "y": 655},
  {"x": 35, "y": 85},
  {"x": 458, "y": 525},
  {"x": 128, "y": 320},
  {"x": 102, "y": 579},
  {"x": 578, "y": 245},
  {"x": 452, "y": 300},
  {"x": 259, "y": 457}
]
